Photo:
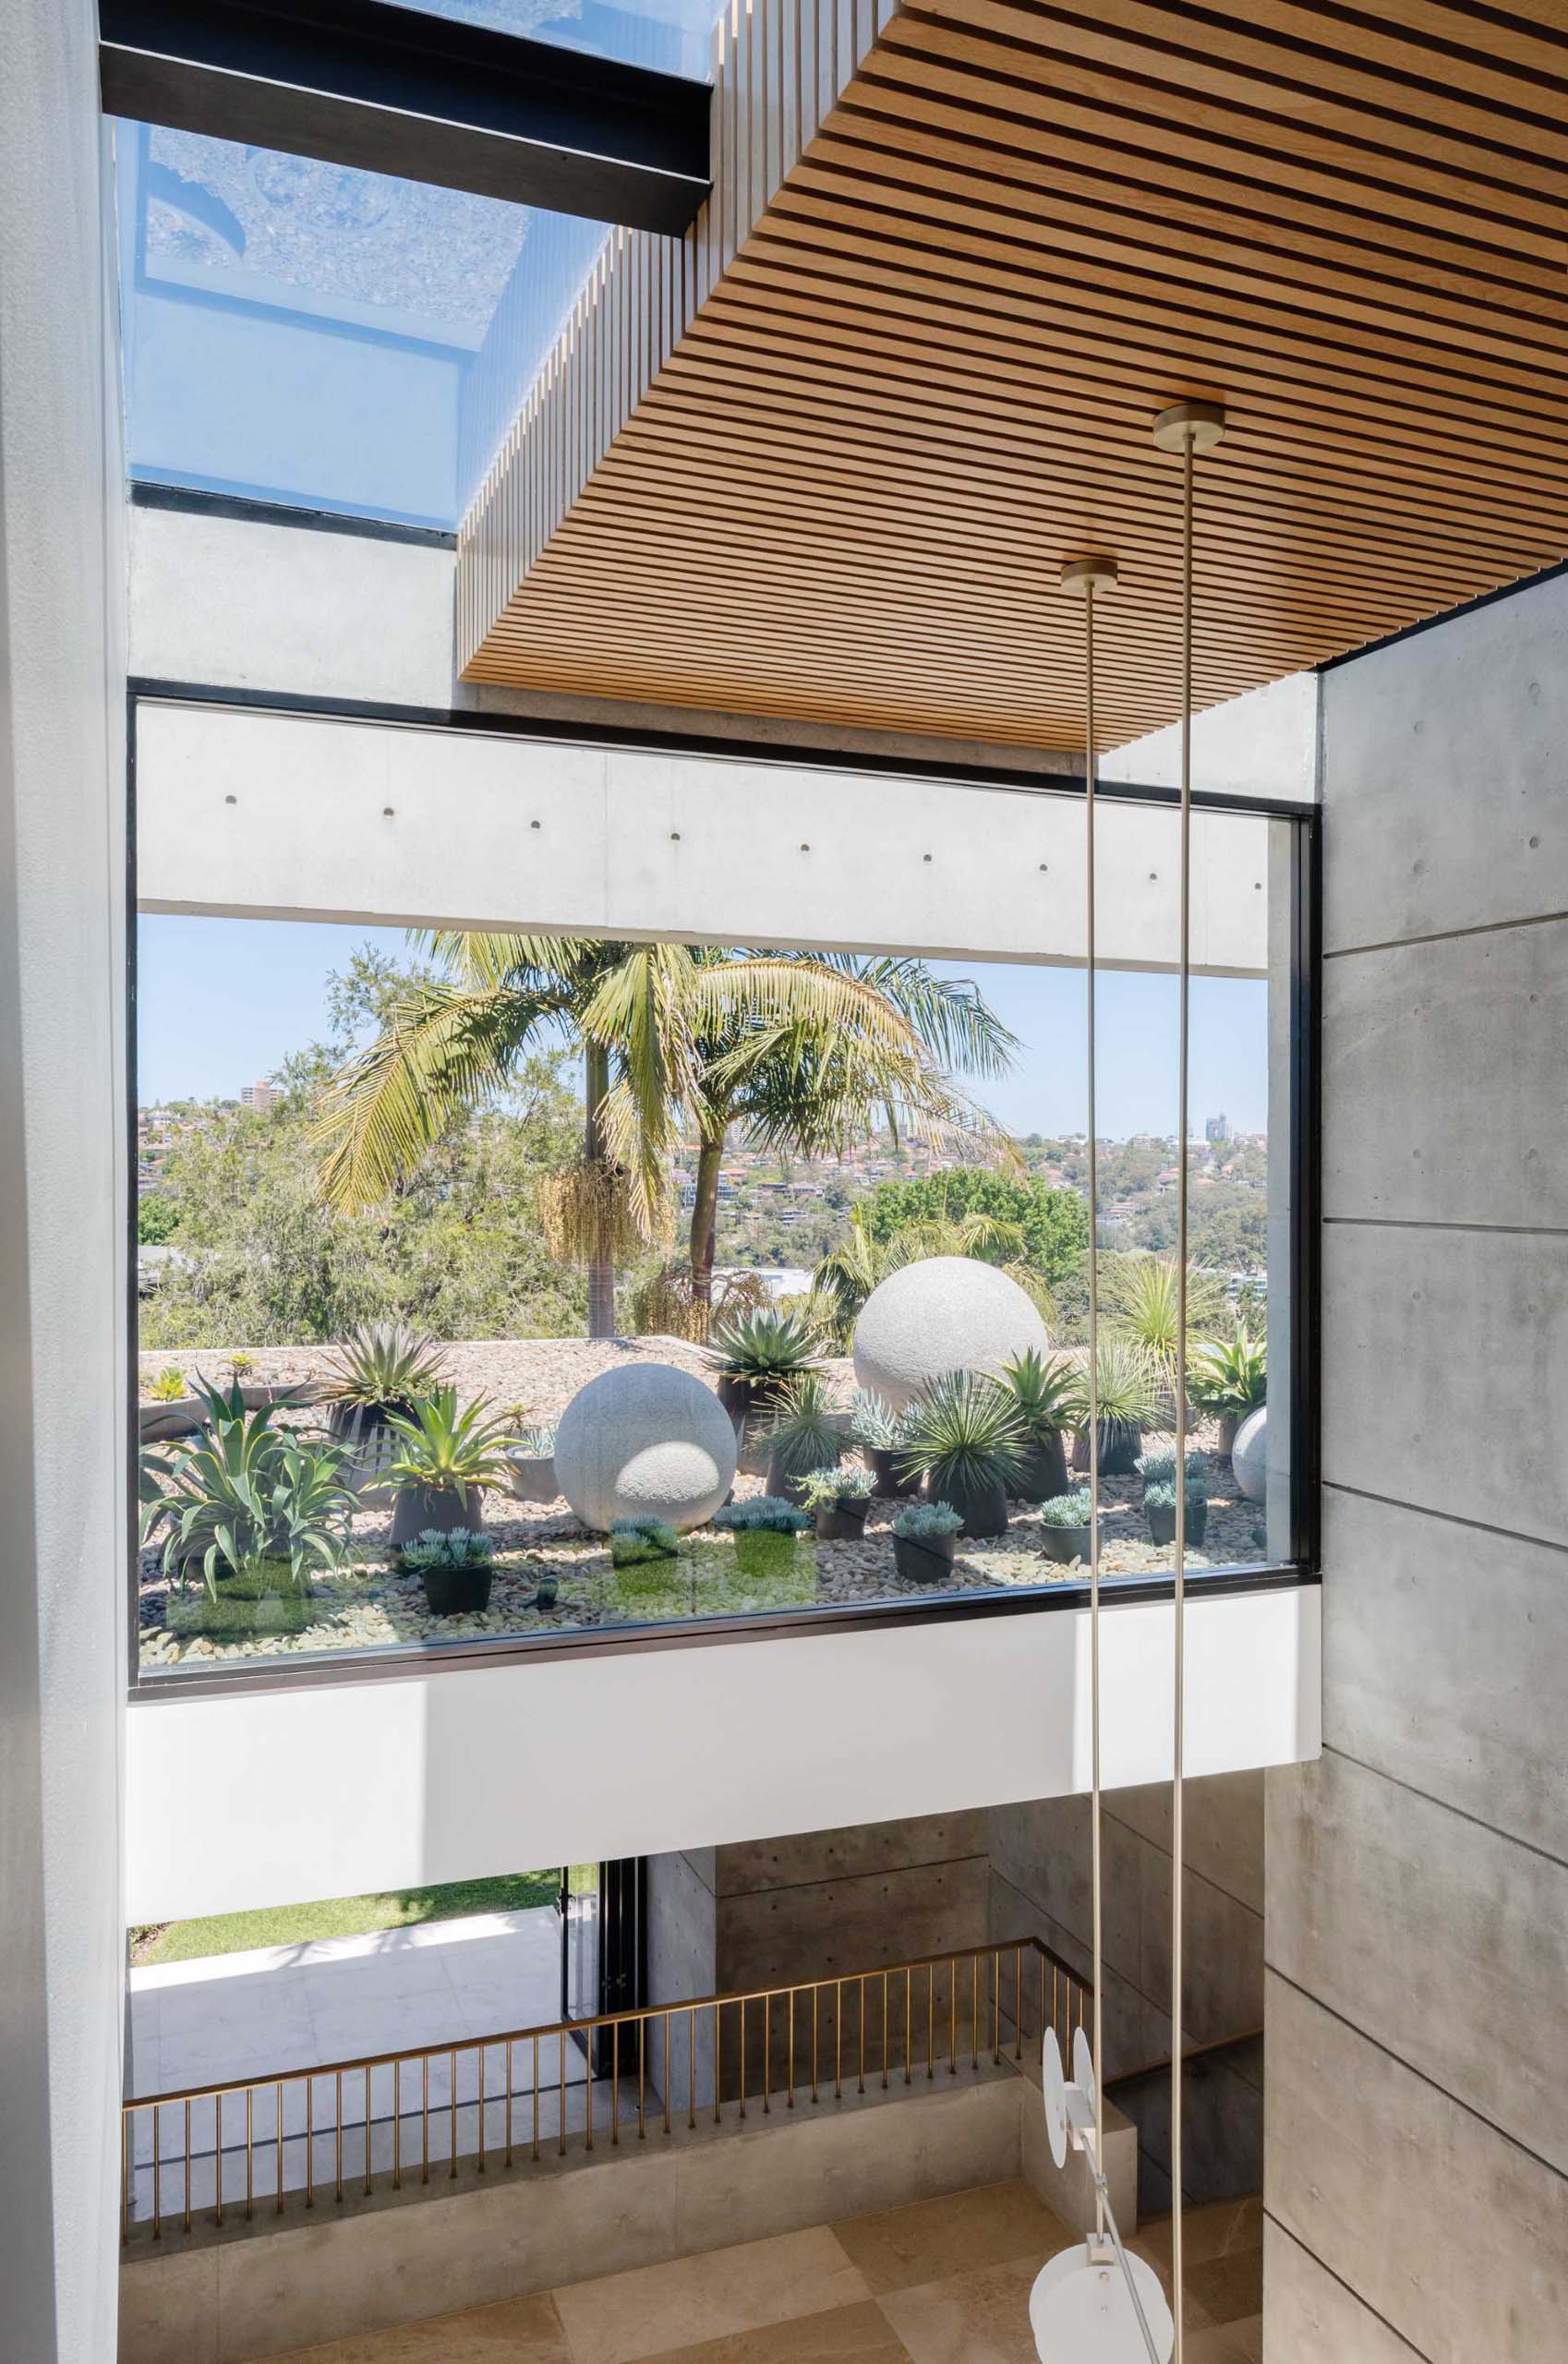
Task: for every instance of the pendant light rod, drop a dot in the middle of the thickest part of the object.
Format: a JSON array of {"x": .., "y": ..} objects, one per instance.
[
  {"x": 1085, "y": 577},
  {"x": 1186, "y": 428}
]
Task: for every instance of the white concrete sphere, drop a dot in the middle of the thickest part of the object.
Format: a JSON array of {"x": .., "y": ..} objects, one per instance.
[
  {"x": 645, "y": 1441},
  {"x": 1250, "y": 1454},
  {"x": 944, "y": 1313}
]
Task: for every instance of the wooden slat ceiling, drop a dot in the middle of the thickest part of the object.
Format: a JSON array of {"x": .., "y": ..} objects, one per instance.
[{"x": 927, "y": 372}]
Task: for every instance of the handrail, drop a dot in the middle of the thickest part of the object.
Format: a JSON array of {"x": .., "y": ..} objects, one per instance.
[{"x": 864, "y": 2007}]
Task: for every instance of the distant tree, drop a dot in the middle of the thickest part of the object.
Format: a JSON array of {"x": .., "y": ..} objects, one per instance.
[
  {"x": 157, "y": 1219},
  {"x": 1052, "y": 1224}
]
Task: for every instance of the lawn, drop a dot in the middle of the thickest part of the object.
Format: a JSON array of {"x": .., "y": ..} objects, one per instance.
[{"x": 342, "y": 1916}]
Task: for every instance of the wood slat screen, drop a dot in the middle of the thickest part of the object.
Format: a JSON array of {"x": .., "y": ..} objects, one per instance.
[{"x": 823, "y": 458}]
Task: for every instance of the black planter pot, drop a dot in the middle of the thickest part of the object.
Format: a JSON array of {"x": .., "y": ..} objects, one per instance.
[
  {"x": 924, "y": 1560},
  {"x": 983, "y": 1509},
  {"x": 1120, "y": 1444},
  {"x": 1045, "y": 1473},
  {"x": 1162, "y": 1523},
  {"x": 888, "y": 1481},
  {"x": 457, "y": 1592},
  {"x": 1066, "y": 1543},
  {"x": 842, "y": 1522},
  {"x": 737, "y": 1395},
  {"x": 785, "y": 1481},
  {"x": 418, "y": 1508}
]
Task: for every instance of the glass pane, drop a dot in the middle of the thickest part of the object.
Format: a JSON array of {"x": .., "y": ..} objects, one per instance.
[
  {"x": 303, "y": 333},
  {"x": 671, "y": 36},
  {"x": 966, "y": 1217}
]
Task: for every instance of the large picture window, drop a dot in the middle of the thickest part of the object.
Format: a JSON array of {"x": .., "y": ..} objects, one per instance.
[{"x": 510, "y": 1283}]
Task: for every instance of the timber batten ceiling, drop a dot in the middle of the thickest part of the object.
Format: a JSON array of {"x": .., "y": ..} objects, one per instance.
[{"x": 824, "y": 458}]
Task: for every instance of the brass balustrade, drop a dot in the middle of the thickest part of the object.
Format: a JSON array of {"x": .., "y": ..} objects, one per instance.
[{"x": 724, "y": 2050}]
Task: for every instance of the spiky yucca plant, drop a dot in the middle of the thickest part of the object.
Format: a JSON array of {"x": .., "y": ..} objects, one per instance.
[{"x": 383, "y": 1368}]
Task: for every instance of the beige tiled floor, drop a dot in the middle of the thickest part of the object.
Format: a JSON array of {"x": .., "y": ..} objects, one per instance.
[{"x": 944, "y": 2282}]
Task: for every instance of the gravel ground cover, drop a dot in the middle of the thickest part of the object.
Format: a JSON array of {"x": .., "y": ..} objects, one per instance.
[{"x": 371, "y": 1604}]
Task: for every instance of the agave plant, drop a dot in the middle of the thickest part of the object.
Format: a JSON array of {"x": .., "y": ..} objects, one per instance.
[
  {"x": 766, "y": 1344},
  {"x": 443, "y": 1451},
  {"x": 167, "y": 1388},
  {"x": 245, "y": 1495},
  {"x": 1228, "y": 1376},
  {"x": 380, "y": 1369},
  {"x": 1049, "y": 1393},
  {"x": 967, "y": 1433}
]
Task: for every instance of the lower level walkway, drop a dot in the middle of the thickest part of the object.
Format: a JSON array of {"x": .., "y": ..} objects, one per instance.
[{"x": 942, "y": 2281}]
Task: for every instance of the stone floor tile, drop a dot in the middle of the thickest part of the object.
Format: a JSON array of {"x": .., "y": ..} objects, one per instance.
[
  {"x": 859, "y": 2335},
  {"x": 1246, "y": 2337},
  {"x": 654, "y": 2309},
  {"x": 900, "y": 2249},
  {"x": 976, "y": 2317},
  {"x": 518, "y": 2330}
]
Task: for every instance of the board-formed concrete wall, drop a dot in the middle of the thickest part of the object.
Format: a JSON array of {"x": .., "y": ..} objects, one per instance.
[{"x": 1417, "y": 1876}]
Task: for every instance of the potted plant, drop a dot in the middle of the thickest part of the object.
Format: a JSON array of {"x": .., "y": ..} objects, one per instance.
[
  {"x": 879, "y": 1432},
  {"x": 841, "y": 1496},
  {"x": 379, "y": 1372},
  {"x": 1227, "y": 1379},
  {"x": 1048, "y": 1391},
  {"x": 765, "y": 1527},
  {"x": 967, "y": 1434},
  {"x": 530, "y": 1464},
  {"x": 1158, "y": 1468},
  {"x": 805, "y": 1435},
  {"x": 1159, "y": 1506},
  {"x": 756, "y": 1355},
  {"x": 456, "y": 1568},
  {"x": 257, "y": 1510},
  {"x": 924, "y": 1540},
  {"x": 1066, "y": 1526},
  {"x": 634, "y": 1542},
  {"x": 441, "y": 1460},
  {"x": 1128, "y": 1389}
]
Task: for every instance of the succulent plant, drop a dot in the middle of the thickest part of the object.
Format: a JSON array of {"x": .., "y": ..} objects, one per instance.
[
  {"x": 168, "y": 1387},
  {"x": 924, "y": 1522},
  {"x": 459, "y": 1548},
  {"x": 764, "y": 1345},
  {"x": 1067, "y": 1510},
  {"x": 1161, "y": 1495},
  {"x": 805, "y": 1435},
  {"x": 874, "y": 1422},
  {"x": 966, "y": 1431},
  {"x": 444, "y": 1449},
  {"x": 1158, "y": 1468},
  {"x": 382, "y": 1367},
  {"x": 1047, "y": 1388},
  {"x": 762, "y": 1515},
  {"x": 1228, "y": 1375},
  {"x": 633, "y": 1541},
  {"x": 847, "y": 1482}
]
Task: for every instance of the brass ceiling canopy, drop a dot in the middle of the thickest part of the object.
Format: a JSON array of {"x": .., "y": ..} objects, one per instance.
[{"x": 820, "y": 460}]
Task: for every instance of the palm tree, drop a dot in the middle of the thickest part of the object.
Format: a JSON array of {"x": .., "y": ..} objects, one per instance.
[{"x": 804, "y": 1051}]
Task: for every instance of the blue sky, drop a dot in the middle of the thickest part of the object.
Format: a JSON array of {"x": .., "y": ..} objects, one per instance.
[{"x": 221, "y": 1002}]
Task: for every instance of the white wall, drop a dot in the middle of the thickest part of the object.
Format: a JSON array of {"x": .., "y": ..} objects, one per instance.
[
  {"x": 62, "y": 1206},
  {"x": 278, "y": 1796},
  {"x": 1262, "y": 745},
  {"x": 284, "y": 815},
  {"x": 256, "y": 606}
]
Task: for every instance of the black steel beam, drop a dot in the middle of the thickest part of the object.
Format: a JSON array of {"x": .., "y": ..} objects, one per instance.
[{"x": 392, "y": 89}]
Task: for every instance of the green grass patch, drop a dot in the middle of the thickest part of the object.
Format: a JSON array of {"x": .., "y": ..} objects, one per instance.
[{"x": 343, "y": 1916}]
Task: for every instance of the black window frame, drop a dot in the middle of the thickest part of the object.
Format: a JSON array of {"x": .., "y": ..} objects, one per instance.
[{"x": 395, "y": 1662}]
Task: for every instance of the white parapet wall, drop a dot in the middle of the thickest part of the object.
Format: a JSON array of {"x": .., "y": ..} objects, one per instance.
[
  {"x": 324, "y": 1789},
  {"x": 261, "y": 814}
]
